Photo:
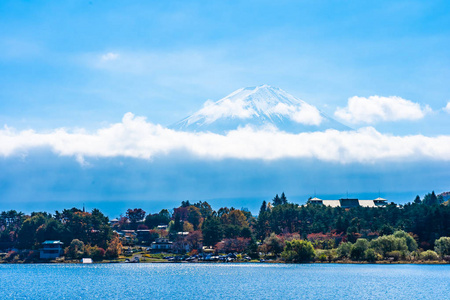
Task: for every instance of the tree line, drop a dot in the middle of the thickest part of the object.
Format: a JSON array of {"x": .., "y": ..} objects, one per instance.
[{"x": 281, "y": 229}]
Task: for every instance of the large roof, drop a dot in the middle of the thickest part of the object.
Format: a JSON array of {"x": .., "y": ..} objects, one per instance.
[
  {"x": 349, "y": 202},
  {"x": 332, "y": 203},
  {"x": 367, "y": 203}
]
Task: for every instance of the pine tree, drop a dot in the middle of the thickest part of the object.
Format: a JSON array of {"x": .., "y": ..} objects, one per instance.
[
  {"x": 283, "y": 198},
  {"x": 263, "y": 208},
  {"x": 417, "y": 200},
  {"x": 276, "y": 201}
]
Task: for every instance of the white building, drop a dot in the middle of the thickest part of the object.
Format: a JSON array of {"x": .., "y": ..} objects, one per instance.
[
  {"x": 349, "y": 203},
  {"x": 161, "y": 244}
]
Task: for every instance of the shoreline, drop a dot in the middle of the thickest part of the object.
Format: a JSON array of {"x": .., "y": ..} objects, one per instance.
[{"x": 236, "y": 262}]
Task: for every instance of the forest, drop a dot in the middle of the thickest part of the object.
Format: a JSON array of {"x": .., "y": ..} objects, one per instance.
[{"x": 281, "y": 231}]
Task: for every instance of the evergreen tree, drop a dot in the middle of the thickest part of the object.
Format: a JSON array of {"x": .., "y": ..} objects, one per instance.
[
  {"x": 263, "y": 208},
  {"x": 212, "y": 231},
  {"x": 430, "y": 199},
  {"x": 417, "y": 200},
  {"x": 185, "y": 203},
  {"x": 276, "y": 201},
  {"x": 283, "y": 198}
]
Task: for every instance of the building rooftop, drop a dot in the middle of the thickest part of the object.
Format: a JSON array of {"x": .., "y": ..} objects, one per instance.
[
  {"x": 350, "y": 202},
  {"x": 52, "y": 243}
]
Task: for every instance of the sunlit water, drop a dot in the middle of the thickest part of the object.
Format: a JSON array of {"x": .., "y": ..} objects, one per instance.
[{"x": 224, "y": 281}]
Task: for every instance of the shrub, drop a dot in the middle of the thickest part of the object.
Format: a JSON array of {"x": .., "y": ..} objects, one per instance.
[
  {"x": 429, "y": 255},
  {"x": 322, "y": 256},
  {"x": 274, "y": 244},
  {"x": 298, "y": 251},
  {"x": 389, "y": 243},
  {"x": 415, "y": 255},
  {"x": 442, "y": 246},
  {"x": 410, "y": 241},
  {"x": 371, "y": 255},
  {"x": 96, "y": 253},
  {"x": 10, "y": 256},
  {"x": 343, "y": 251},
  {"x": 75, "y": 249},
  {"x": 395, "y": 255}
]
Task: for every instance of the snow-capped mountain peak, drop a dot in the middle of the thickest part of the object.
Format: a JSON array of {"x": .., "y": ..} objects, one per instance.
[{"x": 258, "y": 106}]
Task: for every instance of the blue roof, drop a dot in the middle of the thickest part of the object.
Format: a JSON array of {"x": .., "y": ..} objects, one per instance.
[{"x": 52, "y": 242}]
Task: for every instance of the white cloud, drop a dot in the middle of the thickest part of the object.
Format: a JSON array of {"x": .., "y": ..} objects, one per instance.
[
  {"x": 304, "y": 114},
  {"x": 447, "y": 107},
  {"x": 109, "y": 56},
  {"x": 212, "y": 111},
  {"x": 137, "y": 138},
  {"x": 376, "y": 108}
]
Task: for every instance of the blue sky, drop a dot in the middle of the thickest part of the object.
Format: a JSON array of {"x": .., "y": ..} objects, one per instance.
[{"x": 82, "y": 65}]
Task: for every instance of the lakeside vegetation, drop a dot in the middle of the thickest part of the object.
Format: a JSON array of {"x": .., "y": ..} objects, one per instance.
[{"x": 415, "y": 232}]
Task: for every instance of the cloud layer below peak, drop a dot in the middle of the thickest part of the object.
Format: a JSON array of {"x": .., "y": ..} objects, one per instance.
[{"x": 137, "y": 138}]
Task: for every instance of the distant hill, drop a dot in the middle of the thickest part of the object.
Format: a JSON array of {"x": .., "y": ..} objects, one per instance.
[{"x": 258, "y": 107}]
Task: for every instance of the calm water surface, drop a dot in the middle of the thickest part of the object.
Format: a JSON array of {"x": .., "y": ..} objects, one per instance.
[{"x": 224, "y": 281}]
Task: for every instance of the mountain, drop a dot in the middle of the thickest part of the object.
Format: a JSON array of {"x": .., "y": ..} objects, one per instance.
[{"x": 259, "y": 107}]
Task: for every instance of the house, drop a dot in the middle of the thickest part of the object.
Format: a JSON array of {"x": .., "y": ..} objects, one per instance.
[
  {"x": 161, "y": 244},
  {"x": 349, "y": 202},
  {"x": 51, "y": 249}
]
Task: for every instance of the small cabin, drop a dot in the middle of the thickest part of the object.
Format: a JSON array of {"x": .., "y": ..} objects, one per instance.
[{"x": 51, "y": 249}]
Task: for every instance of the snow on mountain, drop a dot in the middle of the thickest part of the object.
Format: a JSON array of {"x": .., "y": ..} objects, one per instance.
[{"x": 259, "y": 106}]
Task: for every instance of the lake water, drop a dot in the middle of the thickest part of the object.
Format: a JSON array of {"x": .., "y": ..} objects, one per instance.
[{"x": 224, "y": 281}]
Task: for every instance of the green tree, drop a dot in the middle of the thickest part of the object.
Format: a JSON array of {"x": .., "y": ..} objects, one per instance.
[
  {"x": 371, "y": 255},
  {"x": 442, "y": 246},
  {"x": 283, "y": 199},
  {"x": 358, "y": 250},
  {"x": 75, "y": 249},
  {"x": 343, "y": 250},
  {"x": 386, "y": 230},
  {"x": 205, "y": 208},
  {"x": 297, "y": 251},
  {"x": 195, "y": 216},
  {"x": 51, "y": 230},
  {"x": 417, "y": 200},
  {"x": 161, "y": 218},
  {"x": 135, "y": 215},
  {"x": 212, "y": 231},
  {"x": 410, "y": 241},
  {"x": 274, "y": 244},
  {"x": 27, "y": 233},
  {"x": 389, "y": 243},
  {"x": 429, "y": 255},
  {"x": 430, "y": 199},
  {"x": 276, "y": 201}
]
